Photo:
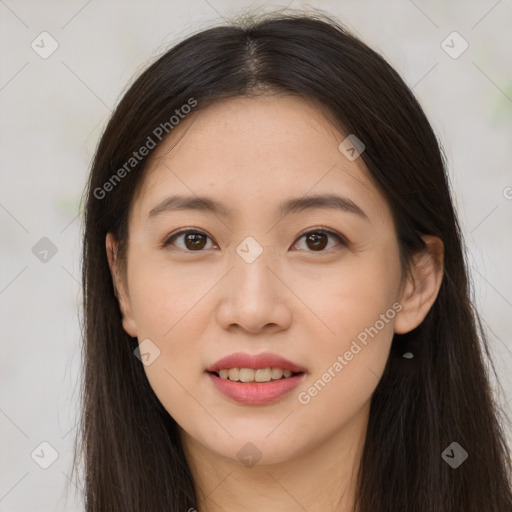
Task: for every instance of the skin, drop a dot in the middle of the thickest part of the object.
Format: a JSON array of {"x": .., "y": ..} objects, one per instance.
[{"x": 304, "y": 304}]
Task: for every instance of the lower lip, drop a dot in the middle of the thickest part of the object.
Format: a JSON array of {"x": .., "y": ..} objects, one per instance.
[{"x": 256, "y": 393}]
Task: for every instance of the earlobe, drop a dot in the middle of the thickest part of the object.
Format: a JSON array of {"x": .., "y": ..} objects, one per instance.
[
  {"x": 422, "y": 286},
  {"x": 119, "y": 289}
]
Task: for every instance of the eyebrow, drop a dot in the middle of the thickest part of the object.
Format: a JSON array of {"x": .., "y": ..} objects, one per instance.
[{"x": 294, "y": 205}]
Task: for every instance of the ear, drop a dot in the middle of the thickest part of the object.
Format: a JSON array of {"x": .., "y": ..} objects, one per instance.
[
  {"x": 422, "y": 285},
  {"x": 119, "y": 286}
]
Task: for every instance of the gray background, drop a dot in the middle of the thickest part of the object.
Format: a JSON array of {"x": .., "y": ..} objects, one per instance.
[{"x": 54, "y": 109}]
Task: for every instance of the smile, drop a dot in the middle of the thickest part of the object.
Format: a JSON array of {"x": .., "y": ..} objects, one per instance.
[
  {"x": 254, "y": 375},
  {"x": 253, "y": 392}
]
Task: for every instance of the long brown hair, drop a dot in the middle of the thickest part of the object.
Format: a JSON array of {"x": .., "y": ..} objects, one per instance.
[{"x": 128, "y": 442}]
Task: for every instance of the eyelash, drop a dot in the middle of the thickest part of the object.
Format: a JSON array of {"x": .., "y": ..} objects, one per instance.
[{"x": 169, "y": 240}]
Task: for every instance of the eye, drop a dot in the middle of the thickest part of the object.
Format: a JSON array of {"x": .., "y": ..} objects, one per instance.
[
  {"x": 194, "y": 239},
  {"x": 317, "y": 239}
]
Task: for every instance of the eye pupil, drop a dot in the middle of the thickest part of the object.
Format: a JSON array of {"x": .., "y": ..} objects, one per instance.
[
  {"x": 195, "y": 238},
  {"x": 315, "y": 238}
]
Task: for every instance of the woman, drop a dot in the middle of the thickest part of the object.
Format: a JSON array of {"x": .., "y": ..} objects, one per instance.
[{"x": 277, "y": 310}]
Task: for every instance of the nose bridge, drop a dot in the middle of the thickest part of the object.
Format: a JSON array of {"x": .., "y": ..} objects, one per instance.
[
  {"x": 253, "y": 296},
  {"x": 251, "y": 262}
]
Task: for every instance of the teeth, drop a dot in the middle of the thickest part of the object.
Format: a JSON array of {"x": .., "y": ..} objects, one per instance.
[
  {"x": 246, "y": 375},
  {"x": 250, "y": 375},
  {"x": 276, "y": 373},
  {"x": 263, "y": 375}
]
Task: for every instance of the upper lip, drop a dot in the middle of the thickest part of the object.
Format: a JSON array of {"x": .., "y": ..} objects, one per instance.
[{"x": 254, "y": 361}]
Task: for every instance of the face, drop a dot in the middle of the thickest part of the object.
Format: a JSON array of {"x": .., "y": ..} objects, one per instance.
[{"x": 317, "y": 283}]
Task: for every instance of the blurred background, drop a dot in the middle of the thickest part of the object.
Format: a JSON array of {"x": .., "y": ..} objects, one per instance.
[{"x": 64, "y": 67}]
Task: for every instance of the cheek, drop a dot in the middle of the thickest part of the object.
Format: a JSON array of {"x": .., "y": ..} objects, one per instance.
[
  {"x": 164, "y": 295},
  {"x": 358, "y": 304},
  {"x": 352, "y": 295},
  {"x": 347, "y": 371},
  {"x": 167, "y": 307}
]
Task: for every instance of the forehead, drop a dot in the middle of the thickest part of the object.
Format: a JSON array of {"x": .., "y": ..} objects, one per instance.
[{"x": 252, "y": 153}]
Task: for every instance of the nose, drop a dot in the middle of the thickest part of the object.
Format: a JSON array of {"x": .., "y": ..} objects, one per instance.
[{"x": 254, "y": 297}]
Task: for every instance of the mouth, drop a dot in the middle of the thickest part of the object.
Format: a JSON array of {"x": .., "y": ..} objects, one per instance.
[
  {"x": 255, "y": 379},
  {"x": 248, "y": 386},
  {"x": 259, "y": 375}
]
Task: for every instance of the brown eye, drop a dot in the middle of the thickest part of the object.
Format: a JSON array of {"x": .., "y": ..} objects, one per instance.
[
  {"x": 192, "y": 240},
  {"x": 317, "y": 241},
  {"x": 196, "y": 241}
]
